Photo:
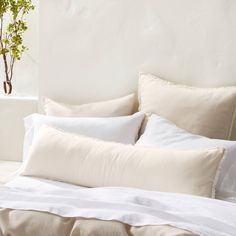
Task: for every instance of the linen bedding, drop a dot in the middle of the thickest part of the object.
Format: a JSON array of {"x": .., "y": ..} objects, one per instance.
[
  {"x": 162, "y": 133},
  {"x": 54, "y": 225},
  {"x": 71, "y": 158},
  {"x": 31, "y": 206},
  {"x": 207, "y": 112},
  {"x": 123, "y": 106},
  {"x": 122, "y": 129}
]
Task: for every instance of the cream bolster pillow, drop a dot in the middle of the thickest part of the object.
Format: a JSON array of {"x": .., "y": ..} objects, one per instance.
[
  {"x": 208, "y": 112},
  {"x": 123, "y": 106},
  {"x": 89, "y": 162}
]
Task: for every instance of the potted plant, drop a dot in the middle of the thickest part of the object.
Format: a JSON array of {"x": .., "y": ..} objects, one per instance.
[{"x": 12, "y": 29}]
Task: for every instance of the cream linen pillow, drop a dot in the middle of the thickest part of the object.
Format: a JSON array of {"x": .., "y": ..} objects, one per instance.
[
  {"x": 208, "y": 112},
  {"x": 117, "y": 107},
  {"x": 161, "y": 133},
  {"x": 94, "y": 163}
]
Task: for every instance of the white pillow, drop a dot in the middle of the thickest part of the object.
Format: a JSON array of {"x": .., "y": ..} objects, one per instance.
[
  {"x": 122, "y": 129},
  {"x": 85, "y": 161},
  {"x": 161, "y": 133},
  {"x": 123, "y": 106}
]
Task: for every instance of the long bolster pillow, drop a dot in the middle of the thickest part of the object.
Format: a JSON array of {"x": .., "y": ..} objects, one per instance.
[{"x": 84, "y": 161}]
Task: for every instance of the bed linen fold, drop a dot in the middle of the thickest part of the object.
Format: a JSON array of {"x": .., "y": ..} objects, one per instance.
[
  {"x": 133, "y": 207},
  {"x": 28, "y": 223}
]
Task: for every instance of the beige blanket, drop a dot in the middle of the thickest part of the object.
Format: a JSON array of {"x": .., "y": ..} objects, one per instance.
[{"x": 32, "y": 223}]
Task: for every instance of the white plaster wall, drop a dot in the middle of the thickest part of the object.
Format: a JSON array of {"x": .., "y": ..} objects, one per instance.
[
  {"x": 12, "y": 113},
  {"x": 14, "y": 108},
  {"x": 93, "y": 49}
]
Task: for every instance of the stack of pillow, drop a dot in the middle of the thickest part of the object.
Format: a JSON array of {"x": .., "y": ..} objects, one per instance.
[{"x": 184, "y": 147}]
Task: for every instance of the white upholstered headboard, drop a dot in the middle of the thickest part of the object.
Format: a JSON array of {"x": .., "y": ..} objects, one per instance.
[{"x": 92, "y": 50}]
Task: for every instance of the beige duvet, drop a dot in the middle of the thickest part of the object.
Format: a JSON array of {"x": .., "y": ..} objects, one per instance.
[{"x": 32, "y": 223}]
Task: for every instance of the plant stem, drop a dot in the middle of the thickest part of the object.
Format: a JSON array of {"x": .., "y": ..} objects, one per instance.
[
  {"x": 5, "y": 84},
  {"x": 4, "y": 55}
]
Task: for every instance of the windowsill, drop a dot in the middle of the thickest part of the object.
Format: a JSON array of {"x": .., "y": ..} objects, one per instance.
[{"x": 15, "y": 97}]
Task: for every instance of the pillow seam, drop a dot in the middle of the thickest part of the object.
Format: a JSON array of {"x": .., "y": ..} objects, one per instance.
[
  {"x": 232, "y": 124},
  {"x": 217, "y": 175},
  {"x": 168, "y": 82}
]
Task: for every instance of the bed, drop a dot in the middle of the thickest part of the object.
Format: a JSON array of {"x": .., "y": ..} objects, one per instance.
[
  {"x": 49, "y": 196},
  {"x": 85, "y": 176}
]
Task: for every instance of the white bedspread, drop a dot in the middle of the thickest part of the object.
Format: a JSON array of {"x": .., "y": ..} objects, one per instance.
[{"x": 132, "y": 206}]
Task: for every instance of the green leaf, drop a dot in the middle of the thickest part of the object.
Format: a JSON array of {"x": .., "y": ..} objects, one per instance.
[{"x": 12, "y": 37}]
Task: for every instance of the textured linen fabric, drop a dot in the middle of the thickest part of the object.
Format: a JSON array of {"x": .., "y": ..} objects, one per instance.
[
  {"x": 143, "y": 210},
  {"x": 123, "y": 129},
  {"x": 162, "y": 133},
  {"x": 123, "y": 106},
  {"x": 28, "y": 223},
  {"x": 208, "y": 112},
  {"x": 93, "y": 163}
]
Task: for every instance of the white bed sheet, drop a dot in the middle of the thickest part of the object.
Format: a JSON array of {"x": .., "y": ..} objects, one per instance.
[{"x": 135, "y": 207}]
